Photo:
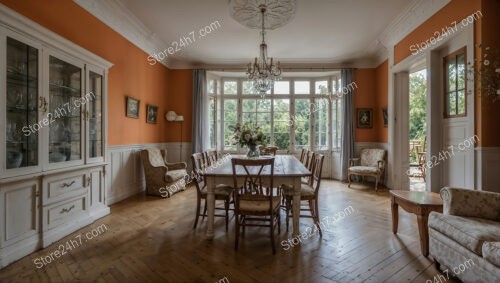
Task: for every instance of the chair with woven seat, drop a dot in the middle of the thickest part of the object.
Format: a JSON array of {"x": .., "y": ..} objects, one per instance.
[
  {"x": 371, "y": 163},
  {"x": 211, "y": 157},
  {"x": 222, "y": 192},
  {"x": 255, "y": 198},
  {"x": 308, "y": 192},
  {"x": 308, "y": 163}
]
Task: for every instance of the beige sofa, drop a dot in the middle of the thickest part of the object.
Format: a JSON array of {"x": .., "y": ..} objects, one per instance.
[
  {"x": 371, "y": 163},
  {"x": 464, "y": 240},
  {"x": 162, "y": 178}
]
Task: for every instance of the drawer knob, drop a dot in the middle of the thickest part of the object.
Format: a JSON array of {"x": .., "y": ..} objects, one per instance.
[
  {"x": 66, "y": 210},
  {"x": 68, "y": 185}
]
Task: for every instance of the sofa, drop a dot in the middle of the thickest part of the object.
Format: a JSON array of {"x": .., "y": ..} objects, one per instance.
[
  {"x": 162, "y": 178},
  {"x": 464, "y": 240}
]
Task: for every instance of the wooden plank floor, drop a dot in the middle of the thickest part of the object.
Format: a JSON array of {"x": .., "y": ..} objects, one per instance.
[{"x": 151, "y": 240}]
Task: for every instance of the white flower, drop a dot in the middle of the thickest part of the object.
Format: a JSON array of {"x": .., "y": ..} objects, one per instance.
[{"x": 486, "y": 62}]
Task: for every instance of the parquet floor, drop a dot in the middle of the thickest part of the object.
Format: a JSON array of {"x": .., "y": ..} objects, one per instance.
[{"x": 151, "y": 240}]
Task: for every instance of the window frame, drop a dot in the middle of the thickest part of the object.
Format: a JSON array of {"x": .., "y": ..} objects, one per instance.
[{"x": 446, "y": 91}]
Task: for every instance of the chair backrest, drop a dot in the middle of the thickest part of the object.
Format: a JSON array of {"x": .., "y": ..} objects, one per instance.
[
  {"x": 303, "y": 155},
  {"x": 317, "y": 172},
  {"x": 211, "y": 157},
  {"x": 254, "y": 181},
  {"x": 270, "y": 150},
  {"x": 152, "y": 157},
  {"x": 309, "y": 159},
  {"x": 199, "y": 165},
  {"x": 370, "y": 156}
]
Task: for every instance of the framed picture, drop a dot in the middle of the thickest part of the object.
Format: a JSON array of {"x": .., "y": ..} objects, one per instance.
[
  {"x": 132, "y": 109},
  {"x": 386, "y": 117},
  {"x": 365, "y": 117},
  {"x": 151, "y": 114}
]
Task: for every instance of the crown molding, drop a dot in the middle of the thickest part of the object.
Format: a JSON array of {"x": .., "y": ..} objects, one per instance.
[{"x": 119, "y": 18}]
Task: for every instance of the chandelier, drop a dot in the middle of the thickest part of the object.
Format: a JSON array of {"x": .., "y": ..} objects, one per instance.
[{"x": 263, "y": 71}]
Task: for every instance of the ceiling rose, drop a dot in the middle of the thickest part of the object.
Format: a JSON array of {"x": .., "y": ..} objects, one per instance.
[{"x": 248, "y": 12}]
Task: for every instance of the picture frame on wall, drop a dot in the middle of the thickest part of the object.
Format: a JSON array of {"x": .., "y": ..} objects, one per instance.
[
  {"x": 365, "y": 118},
  {"x": 151, "y": 114},
  {"x": 385, "y": 116},
  {"x": 132, "y": 107}
]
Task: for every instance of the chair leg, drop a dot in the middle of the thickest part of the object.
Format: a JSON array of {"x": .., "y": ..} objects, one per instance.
[
  {"x": 197, "y": 213},
  {"x": 376, "y": 183},
  {"x": 236, "y": 231},
  {"x": 226, "y": 206},
  {"x": 316, "y": 209},
  {"x": 349, "y": 179},
  {"x": 204, "y": 211},
  {"x": 272, "y": 236}
]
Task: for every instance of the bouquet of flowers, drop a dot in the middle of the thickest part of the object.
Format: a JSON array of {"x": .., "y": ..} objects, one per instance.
[{"x": 249, "y": 135}]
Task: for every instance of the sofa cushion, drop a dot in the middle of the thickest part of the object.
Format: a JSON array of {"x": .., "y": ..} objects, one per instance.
[
  {"x": 363, "y": 169},
  {"x": 468, "y": 232},
  {"x": 491, "y": 252},
  {"x": 175, "y": 175}
]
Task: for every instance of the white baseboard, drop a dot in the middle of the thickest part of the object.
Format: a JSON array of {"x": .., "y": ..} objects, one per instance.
[{"x": 126, "y": 174}]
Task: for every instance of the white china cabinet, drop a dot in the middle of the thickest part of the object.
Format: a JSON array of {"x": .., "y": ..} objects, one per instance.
[{"x": 53, "y": 137}]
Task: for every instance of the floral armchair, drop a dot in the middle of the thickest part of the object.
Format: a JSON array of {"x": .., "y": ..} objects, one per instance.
[
  {"x": 371, "y": 163},
  {"x": 162, "y": 178}
]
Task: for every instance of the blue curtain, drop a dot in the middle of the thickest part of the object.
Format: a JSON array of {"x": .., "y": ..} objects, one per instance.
[{"x": 347, "y": 134}]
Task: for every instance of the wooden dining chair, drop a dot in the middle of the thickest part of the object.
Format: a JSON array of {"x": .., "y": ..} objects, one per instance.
[
  {"x": 222, "y": 192},
  {"x": 255, "y": 198},
  {"x": 308, "y": 163},
  {"x": 303, "y": 155},
  {"x": 269, "y": 150},
  {"x": 309, "y": 193},
  {"x": 211, "y": 157}
]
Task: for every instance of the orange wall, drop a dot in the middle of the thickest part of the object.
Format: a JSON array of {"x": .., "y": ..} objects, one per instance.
[
  {"x": 382, "y": 90},
  {"x": 181, "y": 101},
  {"x": 131, "y": 74},
  {"x": 365, "y": 97}
]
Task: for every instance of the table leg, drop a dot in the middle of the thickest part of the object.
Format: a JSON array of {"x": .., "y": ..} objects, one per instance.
[
  {"x": 423, "y": 230},
  {"x": 395, "y": 215},
  {"x": 296, "y": 206},
  {"x": 210, "y": 207}
]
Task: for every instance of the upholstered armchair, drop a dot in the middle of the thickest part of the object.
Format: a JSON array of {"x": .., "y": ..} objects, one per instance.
[
  {"x": 162, "y": 178},
  {"x": 370, "y": 163}
]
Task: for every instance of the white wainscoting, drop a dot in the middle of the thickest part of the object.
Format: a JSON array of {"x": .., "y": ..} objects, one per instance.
[
  {"x": 125, "y": 174},
  {"x": 488, "y": 168}
]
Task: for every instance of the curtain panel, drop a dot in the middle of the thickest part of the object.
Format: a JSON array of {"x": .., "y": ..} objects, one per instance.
[
  {"x": 347, "y": 133},
  {"x": 199, "y": 136}
]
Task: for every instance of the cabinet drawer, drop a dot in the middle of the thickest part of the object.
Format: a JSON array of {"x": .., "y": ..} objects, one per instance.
[
  {"x": 65, "y": 212},
  {"x": 64, "y": 187}
]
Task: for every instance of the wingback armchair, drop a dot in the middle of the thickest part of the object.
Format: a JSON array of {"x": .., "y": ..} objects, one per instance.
[
  {"x": 162, "y": 178},
  {"x": 370, "y": 163}
]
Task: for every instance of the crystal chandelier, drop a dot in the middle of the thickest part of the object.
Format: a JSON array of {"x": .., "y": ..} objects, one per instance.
[{"x": 263, "y": 72}]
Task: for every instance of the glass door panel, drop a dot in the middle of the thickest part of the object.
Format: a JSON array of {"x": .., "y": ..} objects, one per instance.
[
  {"x": 94, "y": 107},
  {"x": 65, "y": 136},
  {"x": 21, "y": 105}
]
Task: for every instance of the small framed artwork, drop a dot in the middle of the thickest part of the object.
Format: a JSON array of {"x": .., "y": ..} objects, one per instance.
[
  {"x": 365, "y": 117},
  {"x": 132, "y": 109},
  {"x": 152, "y": 114},
  {"x": 386, "y": 117}
]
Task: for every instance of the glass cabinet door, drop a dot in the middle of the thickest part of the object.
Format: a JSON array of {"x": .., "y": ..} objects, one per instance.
[
  {"x": 94, "y": 102},
  {"x": 65, "y": 130},
  {"x": 22, "y": 126}
]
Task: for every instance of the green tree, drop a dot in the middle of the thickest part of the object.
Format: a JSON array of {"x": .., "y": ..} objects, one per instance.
[{"x": 417, "y": 115}]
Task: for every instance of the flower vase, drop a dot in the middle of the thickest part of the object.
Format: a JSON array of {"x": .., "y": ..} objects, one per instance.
[{"x": 253, "y": 151}]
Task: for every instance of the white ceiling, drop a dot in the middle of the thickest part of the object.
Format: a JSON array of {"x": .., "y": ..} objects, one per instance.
[{"x": 322, "y": 32}]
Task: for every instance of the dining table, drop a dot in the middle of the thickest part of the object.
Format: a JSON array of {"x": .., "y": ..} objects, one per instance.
[{"x": 288, "y": 170}]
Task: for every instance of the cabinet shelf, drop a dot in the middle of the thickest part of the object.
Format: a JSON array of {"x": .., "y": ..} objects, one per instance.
[{"x": 63, "y": 87}]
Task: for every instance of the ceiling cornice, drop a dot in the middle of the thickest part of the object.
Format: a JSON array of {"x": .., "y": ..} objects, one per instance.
[
  {"x": 118, "y": 17},
  {"x": 115, "y": 15}
]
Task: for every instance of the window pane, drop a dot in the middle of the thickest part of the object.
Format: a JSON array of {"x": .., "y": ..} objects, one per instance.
[
  {"x": 230, "y": 87},
  {"x": 461, "y": 102},
  {"x": 230, "y": 120},
  {"x": 302, "y": 87},
  {"x": 248, "y": 110},
  {"x": 461, "y": 71},
  {"x": 211, "y": 124},
  {"x": 321, "y": 87},
  {"x": 451, "y": 74},
  {"x": 264, "y": 116},
  {"x": 211, "y": 87},
  {"x": 321, "y": 124},
  {"x": 282, "y": 123},
  {"x": 301, "y": 123},
  {"x": 248, "y": 88},
  {"x": 452, "y": 103},
  {"x": 282, "y": 87}
]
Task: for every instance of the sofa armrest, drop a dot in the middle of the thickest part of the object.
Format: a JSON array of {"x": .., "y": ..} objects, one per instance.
[
  {"x": 470, "y": 203},
  {"x": 353, "y": 161},
  {"x": 176, "y": 166}
]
